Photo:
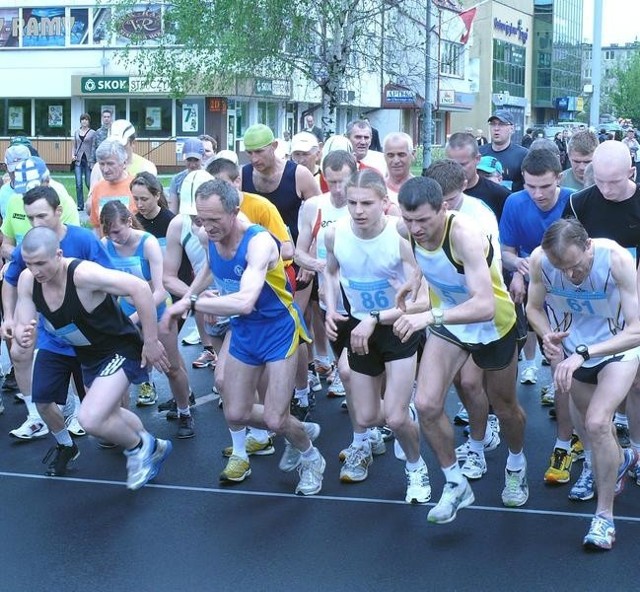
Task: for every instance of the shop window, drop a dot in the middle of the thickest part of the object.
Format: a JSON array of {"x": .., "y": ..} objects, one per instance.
[
  {"x": 18, "y": 121},
  {"x": 53, "y": 117},
  {"x": 189, "y": 116},
  {"x": 151, "y": 117},
  {"x": 95, "y": 107}
]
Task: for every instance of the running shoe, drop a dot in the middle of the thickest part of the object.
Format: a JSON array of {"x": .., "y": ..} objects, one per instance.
[
  {"x": 462, "y": 417},
  {"x": 311, "y": 474},
  {"x": 300, "y": 412},
  {"x": 463, "y": 450},
  {"x": 376, "y": 442},
  {"x": 584, "y": 488},
  {"x": 418, "y": 485},
  {"x": 323, "y": 371},
  {"x": 624, "y": 438},
  {"x": 559, "y": 470},
  {"x": 356, "y": 464},
  {"x": 9, "y": 384},
  {"x": 32, "y": 428},
  {"x": 601, "y": 535},
  {"x": 548, "y": 396},
  {"x": 337, "y": 388},
  {"x": 474, "y": 466},
  {"x": 185, "y": 427},
  {"x": 629, "y": 460},
  {"x": 207, "y": 359},
  {"x": 529, "y": 375},
  {"x": 237, "y": 470},
  {"x": 192, "y": 338},
  {"x": 142, "y": 468},
  {"x": 314, "y": 382},
  {"x": 253, "y": 447},
  {"x": 171, "y": 407},
  {"x": 577, "y": 449},
  {"x": 291, "y": 456},
  {"x": 455, "y": 496},
  {"x": 516, "y": 488},
  {"x": 62, "y": 456},
  {"x": 147, "y": 395},
  {"x": 74, "y": 427}
]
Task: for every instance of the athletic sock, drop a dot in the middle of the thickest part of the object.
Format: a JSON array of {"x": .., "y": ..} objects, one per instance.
[
  {"x": 259, "y": 435},
  {"x": 302, "y": 395},
  {"x": 453, "y": 474},
  {"x": 239, "y": 439},
  {"x": 516, "y": 461},
  {"x": 564, "y": 444},
  {"x": 63, "y": 437}
]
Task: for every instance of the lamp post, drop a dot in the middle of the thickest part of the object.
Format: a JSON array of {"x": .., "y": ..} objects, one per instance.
[{"x": 427, "y": 115}]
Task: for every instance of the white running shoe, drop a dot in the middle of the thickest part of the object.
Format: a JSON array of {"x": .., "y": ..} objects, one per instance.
[
  {"x": 455, "y": 496},
  {"x": 337, "y": 388},
  {"x": 463, "y": 450},
  {"x": 192, "y": 338},
  {"x": 291, "y": 457},
  {"x": 74, "y": 426},
  {"x": 474, "y": 466},
  {"x": 418, "y": 486},
  {"x": 529, "y": 375},
  {"x": 32, "y": 428},
  {"x": 311, "y": 473}
]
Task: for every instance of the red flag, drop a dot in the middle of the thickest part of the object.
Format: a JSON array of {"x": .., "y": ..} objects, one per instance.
[{"x": 467, "y": 20}]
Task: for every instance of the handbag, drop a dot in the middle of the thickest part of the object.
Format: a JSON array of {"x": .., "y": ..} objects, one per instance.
[{"x": 72, "y": 164}]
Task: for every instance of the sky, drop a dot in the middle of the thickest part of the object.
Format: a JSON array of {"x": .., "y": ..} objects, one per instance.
[{"x": 621, "y": 21}]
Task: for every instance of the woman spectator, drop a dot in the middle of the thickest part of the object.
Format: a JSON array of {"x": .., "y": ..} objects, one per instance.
[
  {"x": 82, "y": 143},
  {"x": 561, "y": 143}
]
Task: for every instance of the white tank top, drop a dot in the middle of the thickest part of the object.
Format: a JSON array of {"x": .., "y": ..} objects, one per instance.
[
  {"x": 591, "y": 312},
  {"x": 191, "y": 245},
  {"x": 486, "y": 219},
  {"x": 371, "y": 270},
  {"x": 328, "y": 214}
]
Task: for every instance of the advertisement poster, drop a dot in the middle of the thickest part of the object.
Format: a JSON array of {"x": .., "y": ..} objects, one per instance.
[
  {"x": 190, "y": 117},
  {"x": 55, "y": 116},
  {"x": 153, "y": 119},
  {"x": 16, "y": 118}
]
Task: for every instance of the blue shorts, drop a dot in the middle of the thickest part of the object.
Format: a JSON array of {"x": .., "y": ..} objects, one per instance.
[
  {"x": 109, "y": 366},
  {"x": 258, "y": 342},
  {"x": 51, "y": 375}
]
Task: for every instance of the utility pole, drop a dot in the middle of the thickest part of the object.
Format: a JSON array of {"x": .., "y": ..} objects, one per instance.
[
  {"x": 427, "y": 116},
  {"x": 596, "y": 64}
]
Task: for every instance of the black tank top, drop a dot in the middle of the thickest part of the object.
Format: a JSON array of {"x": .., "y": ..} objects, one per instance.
[
  {"x": 285, "y": 197},
  {"x": 96, "y": 335}
]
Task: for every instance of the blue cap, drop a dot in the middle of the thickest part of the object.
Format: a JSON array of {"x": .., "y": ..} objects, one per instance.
[{"x": 192, "y": 148}]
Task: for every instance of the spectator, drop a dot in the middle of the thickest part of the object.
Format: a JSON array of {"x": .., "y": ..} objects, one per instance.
[{"x": 82, "y": 147}]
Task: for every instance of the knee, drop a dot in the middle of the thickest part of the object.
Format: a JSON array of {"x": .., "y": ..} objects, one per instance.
[
  {"x": 275, "y": 422},
  {"x": 89, "y": 420},
  {"x": 427, "y": 410},
  {"x": 597, "y": 426},
  {"x": 397, "y": 420},
  {"x": 20, "y": 355}
]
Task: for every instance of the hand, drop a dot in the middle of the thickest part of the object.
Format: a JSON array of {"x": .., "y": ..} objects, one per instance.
[
  {"x": 523, "y": 266},
  {"x": 304, "y": 276},
  {"x": 563, "y": 375},
  {"x": 552, "y": 345},
  {"x": 517, "y": 289},
  {"x": 153, "y": 354},
  {"x": 410, "y": 288},
  {"x": 360, "y": 336},
  {"x": 407, "y": 325},
  {"x": 27, "y": 337},
  {"x": 7, "y": 328},
  {"x": 331, "y": 321}
]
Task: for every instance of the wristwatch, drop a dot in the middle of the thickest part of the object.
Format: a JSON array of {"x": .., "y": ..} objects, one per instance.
[
  {"x": 583, "y": 350},
  {"x": 438, "y": 316},
  {"x": 193, "y": 300},
  {"x": 376, "y": 315}
]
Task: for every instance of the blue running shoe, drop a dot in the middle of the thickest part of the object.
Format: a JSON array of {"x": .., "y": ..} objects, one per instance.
[
  {"x": 629, "y": 459},
  {"x": 601, "y": 535}
]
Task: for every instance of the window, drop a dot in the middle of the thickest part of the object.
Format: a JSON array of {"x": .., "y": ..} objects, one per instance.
[
  {"x": 451, "y": 59},
  {"x": 509, "y": 68},
  {"x": 52, "y": 117},
  {"x": 152, "y": 117},
  {"x": 189, "y": 116},
  {"x": 18, "y": 120},
  {"x": 94, "y": 107}
]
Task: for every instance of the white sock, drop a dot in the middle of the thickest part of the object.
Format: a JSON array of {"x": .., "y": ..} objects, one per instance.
[
  {"x": 32, "y": 410},
  {"x": 621, "y": 418},
  {"x": 303, "y": 396},
  {"x": 453, "y": 474},
  {"x": 63, "y": 437},
  {"x": 516, "y": 461},
  {"x": 238, "y": 439}
]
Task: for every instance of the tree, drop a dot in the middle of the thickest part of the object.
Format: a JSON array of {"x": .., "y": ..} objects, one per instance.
[
  {"x": 625, "y": 95},
  {"x": 206, "y": 45}
]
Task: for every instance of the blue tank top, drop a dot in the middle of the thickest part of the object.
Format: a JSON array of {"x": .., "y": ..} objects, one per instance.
[
  {"x": 135, "y": 264},
  {"x": 275, "y": 298},
  {"x": 285, "y": 197}
]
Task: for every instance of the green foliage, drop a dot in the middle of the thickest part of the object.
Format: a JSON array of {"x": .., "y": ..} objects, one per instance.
[{"x": 625, "y": 97}]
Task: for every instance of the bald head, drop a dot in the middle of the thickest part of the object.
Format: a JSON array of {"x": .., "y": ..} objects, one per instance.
[
  {"x": 41, "y": 238},
  {"x": 613, "y": 172},
  {"x": 611, "y": 154}
]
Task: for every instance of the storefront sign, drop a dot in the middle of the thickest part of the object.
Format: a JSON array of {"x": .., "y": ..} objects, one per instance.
[
  {"x": 271, "y": 87},
  {"x": 104, "y": 85},
  {"x": 510, "y": 30}
]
